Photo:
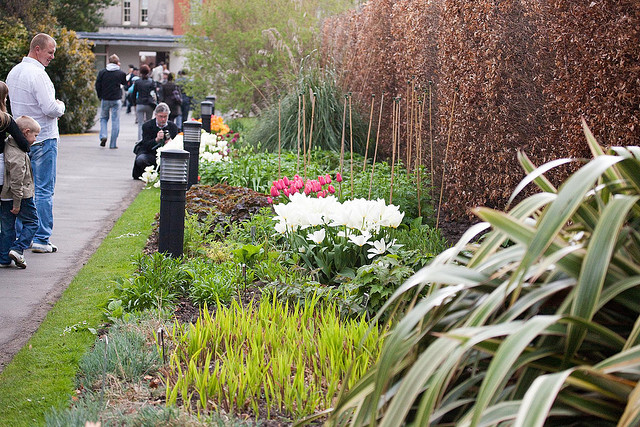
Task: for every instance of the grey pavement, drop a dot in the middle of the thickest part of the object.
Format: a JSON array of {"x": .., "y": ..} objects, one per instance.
[{"x": 93, "y": 188}]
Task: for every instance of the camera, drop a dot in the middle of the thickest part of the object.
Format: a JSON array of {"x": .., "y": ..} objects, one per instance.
[{"x": 166, "y": 134}]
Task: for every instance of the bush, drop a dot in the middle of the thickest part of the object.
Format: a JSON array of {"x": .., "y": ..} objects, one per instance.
[
  {"x": 295, "y": 121},
  {"x": 14, "y": 39}
]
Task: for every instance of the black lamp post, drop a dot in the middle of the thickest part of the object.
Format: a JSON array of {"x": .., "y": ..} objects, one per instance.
[
  {"x": 191, "y": 141},
  {"x": 206, "y": 110},
  {"x": 212, "y": 100},
  {"x": 174, "y": 171}
]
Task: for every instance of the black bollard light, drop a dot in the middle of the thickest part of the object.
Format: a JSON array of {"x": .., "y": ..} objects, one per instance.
[
  {"x": 174, "y": 172},
  {"x": 191, "y": 141},
  {"x": 212, "y": 100},
  {"x": 206, "y": 110}
]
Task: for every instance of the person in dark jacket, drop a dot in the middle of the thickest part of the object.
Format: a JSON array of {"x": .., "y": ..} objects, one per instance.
[
  {"x": 109, "y": 88},
  {"x": 8, "y": 126},
  {"x": 144, "y": 97},
  {"x": 173, "y": 98},
  {"x": 155, "y": 133}
]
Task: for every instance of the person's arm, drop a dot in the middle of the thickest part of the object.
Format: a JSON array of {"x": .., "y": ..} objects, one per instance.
[
  {"x": 173, "y": 129},
  {"x": 44, "y": 92},
  {"x": 134, "y": 93},
  {"x": 149, "y": 135},
  {"x": 123, "y": 79},
  {"x": 16, "y": 166},
  {"x": 99, "y": 84},
  {"x": 18, "y": 136}
]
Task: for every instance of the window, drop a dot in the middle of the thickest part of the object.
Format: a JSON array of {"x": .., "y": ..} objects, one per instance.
[
  {"x": 126, "y": 12},
  {"x": 144, "y": 12}
]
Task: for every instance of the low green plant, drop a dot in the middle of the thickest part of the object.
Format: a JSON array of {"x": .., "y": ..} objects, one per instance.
[
  {"x": 543, "y": 331},
  {"x": 377, "y": 281},
  {"x": 420, "y": 243},
  {"x": 123, "y": 353},
  {"x": 158, "y": 281},
  {"x": 212, "y": 282},
  {"x": 258, "y": 230},
  {"x": 242, "y": 356},
  {"x": 197, "y": 234}
]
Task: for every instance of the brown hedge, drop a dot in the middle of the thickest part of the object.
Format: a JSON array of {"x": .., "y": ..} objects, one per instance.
[{"x": 523, "y": 73}]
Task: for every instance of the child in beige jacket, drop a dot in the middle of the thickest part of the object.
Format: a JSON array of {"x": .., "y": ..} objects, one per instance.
[{"x": 16, "y": 198}]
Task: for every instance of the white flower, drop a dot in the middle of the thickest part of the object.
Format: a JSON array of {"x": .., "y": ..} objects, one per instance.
[
  {"x": 359, "y": 240},
  {"x": 379, "y": 247},
  {"x": 281, "y": 227},
  {"x": 317, "y": 237}
]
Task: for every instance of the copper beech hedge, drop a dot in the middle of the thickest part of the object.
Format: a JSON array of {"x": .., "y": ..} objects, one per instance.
[{"x": 502, "y": 75}]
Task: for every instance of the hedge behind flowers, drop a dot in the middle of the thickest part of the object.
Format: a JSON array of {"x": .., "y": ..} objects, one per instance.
[{"x": 522, "y": 72}]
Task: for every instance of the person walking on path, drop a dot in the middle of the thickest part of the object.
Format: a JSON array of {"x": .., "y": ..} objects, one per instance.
[
  {"x": 142, "y": 97},
  {"x": 16, "y": 198},
  {"x": 155, "y": 133},
  {"x": 32, "y": 94},
  {"x": 109, "y": 85},
  {"x": 173, "y": 98},
  {"x": 8, "y": 125}
]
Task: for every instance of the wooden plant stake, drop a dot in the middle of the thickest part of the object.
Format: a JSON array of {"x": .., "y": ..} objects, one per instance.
[
  {"x": 408, "y": 126},
  {"x": 351, "y": 145},
  {"x": 304, "y": 135},
  {"x": 418, "y": 162},
  {"x": 375, "y": 152},
  {"x": 433, "y": 185},
  {"x": 298, "y": 138},
  {"x": 394, "y": 141},
  {"x": 444, "y": 164},
  {"x": 366, "y": 150},
  {"x": 312, "y": 96},
  {"x": 344, "y": 119},
  {"x": 279, "y": 138}
]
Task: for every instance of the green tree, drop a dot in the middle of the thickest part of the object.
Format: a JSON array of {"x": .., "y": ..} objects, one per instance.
[
  {"x": 14, "y": 40},
  {"x": 250, "y": 51},
  {"x": 78, "y": 15}
]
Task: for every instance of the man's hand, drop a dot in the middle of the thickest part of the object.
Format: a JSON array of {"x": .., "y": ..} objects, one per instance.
[
  {"x": 160, "y": 136},
  {"x": 15, "y": 211}
]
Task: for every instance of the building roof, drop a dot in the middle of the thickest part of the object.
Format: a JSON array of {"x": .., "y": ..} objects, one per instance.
[{"x": 131, "y": 39}]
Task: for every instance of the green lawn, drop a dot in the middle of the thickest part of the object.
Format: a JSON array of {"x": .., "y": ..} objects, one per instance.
[{"x": 42, "y": 374}]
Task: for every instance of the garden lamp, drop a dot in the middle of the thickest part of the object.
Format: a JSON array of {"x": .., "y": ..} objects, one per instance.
[
  {"x": 206, "y": 110},
  {"x": 174, "y": 172},
  {"x": 191, "y": 141}
]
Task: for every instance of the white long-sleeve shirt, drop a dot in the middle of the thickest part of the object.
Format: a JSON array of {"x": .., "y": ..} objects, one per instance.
[{"x": 31, "y": 93}]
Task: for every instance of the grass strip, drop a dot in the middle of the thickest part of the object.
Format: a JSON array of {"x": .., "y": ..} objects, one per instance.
[{"x": 42, "y": 374}]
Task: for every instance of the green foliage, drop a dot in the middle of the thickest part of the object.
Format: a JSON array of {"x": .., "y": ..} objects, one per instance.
[
  {"x": 542, "y": 331},
  {"x": 420, "y": 243},
  {"x": 257, "y": 230},
  {"x": 247, "y": 51},
  {"x": 212, "y": 283},
  {"x": 123, "y": 353},
  {"x": 158, "y": 281},
  {"x": 14, "y": 39},
  {"x": 72, "y": 74},
  {"x": 378, "y": 280},
  {"x": 241, "y": 357},
  {"x": 258, "y": 170},
  {"x": 317, "y": 101},
  {"x": 86, "y": 16}
]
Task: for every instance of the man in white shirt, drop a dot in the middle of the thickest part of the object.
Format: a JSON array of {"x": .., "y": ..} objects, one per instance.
[{"x": 31, "y": 93}]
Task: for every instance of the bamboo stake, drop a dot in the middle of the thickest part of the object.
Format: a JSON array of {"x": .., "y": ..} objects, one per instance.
[
  {"x": 419, "y": 153},
  {"x": 444, "y": 164},
  {"x": 366, "y": 151},
  {"x": 304, "y": 135},
  {"x": 298, "y": 122},
  {"x": 279, "y": 138},
  {"x": 394, "y": 140},
  {"x": 313, "y": 106},
  {"x": 351, "y": 144},
  {"x": 375, "y": 152},
  {"x": 433, "y": 184},
  {"x": 344, "y": 118},
  {"x": 408, "y": 126}
]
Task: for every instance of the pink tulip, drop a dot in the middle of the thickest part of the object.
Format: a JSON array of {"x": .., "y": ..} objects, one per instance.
[
  {"x": 321, "y": 180},
  {"x": 286, "y": 181},
  {"x": 331, "y": 189},
  {"x": 270, "y": 200},
  {"x": 285, "y": 190},
  {"x": 327, "y": 179},
  {"x": 338, "y": 177},
  {"x": 274, "y": 192}
]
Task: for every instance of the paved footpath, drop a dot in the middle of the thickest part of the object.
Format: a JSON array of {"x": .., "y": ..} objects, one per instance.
[{"x": 93, "y": 188}]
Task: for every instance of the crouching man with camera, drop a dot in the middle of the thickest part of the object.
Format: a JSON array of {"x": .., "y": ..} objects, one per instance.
[{"x": 155, "y": 133}]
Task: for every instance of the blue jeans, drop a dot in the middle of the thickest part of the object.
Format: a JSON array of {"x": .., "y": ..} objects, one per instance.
[
  {"x": 44, "y": 157},
  {"x": 29, "y": 219},
  {"x": 113, "y": 106}
]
